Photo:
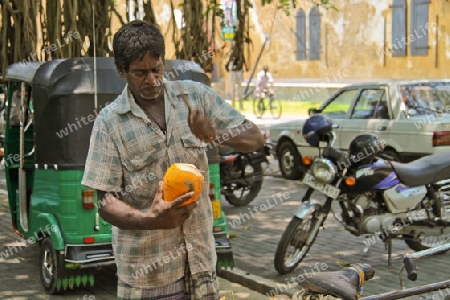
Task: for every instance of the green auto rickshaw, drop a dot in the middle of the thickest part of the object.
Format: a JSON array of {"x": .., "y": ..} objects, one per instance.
[{"x": 51, "y": 107}]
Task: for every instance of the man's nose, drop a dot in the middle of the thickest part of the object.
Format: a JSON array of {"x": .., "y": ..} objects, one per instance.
[{"x": 152, "y": 78}]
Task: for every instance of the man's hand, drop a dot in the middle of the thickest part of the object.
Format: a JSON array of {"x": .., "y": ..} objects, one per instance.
[
  {"x": 167, "y": 215},
  {"x": 201, "y": 126}
]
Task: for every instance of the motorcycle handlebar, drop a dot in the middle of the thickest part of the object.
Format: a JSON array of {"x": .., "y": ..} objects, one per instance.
[{"x": 410, "y": 268}]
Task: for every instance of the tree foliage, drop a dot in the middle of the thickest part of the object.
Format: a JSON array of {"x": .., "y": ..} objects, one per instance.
[
  {"x": 66, "y": 28},
  {"x": 26, "y": 23}
]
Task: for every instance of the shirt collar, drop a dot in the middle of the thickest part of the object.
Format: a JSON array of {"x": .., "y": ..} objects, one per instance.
[{"x": 126, "y": 101}]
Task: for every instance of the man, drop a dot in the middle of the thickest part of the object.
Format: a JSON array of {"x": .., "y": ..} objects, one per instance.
[
  {"x": 162, "y": 250},
  {"x": 263, "y": 80}
]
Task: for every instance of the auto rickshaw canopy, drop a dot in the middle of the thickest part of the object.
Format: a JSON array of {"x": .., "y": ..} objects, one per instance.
[{"x": 63, "y": 94}]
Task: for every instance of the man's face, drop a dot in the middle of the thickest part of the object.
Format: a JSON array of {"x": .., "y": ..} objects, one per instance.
[{"x": 145, "y": 77}]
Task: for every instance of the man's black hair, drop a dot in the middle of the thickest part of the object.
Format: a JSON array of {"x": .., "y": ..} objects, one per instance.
[{"x": 134, "y": 40}]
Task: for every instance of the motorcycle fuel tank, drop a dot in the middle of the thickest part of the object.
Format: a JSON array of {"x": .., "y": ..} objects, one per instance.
[{"x": 378, "y": 175}]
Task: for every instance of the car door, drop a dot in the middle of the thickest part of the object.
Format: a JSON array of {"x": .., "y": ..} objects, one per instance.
[
  {"x": 338, "y": 108},
  {"x": 370, "y": 114}
]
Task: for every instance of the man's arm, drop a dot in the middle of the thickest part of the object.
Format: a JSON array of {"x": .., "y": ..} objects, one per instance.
[
  {"x": 161, "y": 215},
  {"x": 244, "y": 138}
]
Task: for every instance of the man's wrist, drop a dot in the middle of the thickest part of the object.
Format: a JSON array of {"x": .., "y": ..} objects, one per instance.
[{"x": 148, "y": 221}]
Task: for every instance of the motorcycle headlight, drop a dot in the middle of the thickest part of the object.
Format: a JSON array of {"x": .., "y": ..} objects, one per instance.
[{"x": 323, "y": 170}]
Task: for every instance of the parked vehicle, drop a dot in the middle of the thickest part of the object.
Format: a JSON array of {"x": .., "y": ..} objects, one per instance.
[
  {"x": 411, "y": 116},
  {"x": 46, "y": 153},
  {"x": 2, "y": 121},
  {"x": 241, "y": 174},
  {"x": 376, "y": 196}
]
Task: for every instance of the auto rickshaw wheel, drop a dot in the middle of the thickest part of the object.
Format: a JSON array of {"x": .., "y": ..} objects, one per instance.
[{"x": 51, "y": 265}]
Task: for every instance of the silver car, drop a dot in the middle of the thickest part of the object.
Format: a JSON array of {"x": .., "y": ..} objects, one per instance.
[{"x": 411, "y": 116}]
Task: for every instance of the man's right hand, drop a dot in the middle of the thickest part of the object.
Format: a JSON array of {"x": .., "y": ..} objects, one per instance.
[{"x": 168, "y": 215}]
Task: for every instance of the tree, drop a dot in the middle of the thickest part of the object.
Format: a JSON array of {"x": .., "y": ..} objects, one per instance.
[{"x": 67, "y": 36}]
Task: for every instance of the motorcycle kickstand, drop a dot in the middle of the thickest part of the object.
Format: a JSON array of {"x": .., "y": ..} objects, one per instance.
[{"x": 388, "y": 245}]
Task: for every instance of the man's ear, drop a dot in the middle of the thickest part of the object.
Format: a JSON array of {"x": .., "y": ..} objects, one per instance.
[{"x": 120, "y": 71}]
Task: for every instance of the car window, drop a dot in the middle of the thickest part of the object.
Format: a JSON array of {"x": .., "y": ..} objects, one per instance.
[
  {"x": 339, "y": 106},
  {"x": 371, "y": 104},
  {"x": 425, "y": 98}
]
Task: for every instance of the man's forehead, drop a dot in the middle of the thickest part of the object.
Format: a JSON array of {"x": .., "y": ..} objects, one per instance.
[{"x": 147, "y": 62}]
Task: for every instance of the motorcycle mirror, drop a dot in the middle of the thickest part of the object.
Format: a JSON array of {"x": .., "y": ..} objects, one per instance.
[
  {"x": 333, "y": 139},
  {"x": 312, "y": 111}
]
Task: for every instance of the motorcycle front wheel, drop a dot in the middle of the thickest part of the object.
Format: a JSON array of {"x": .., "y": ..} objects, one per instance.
[
  {"x": 246, "y": 188},
  {"x": 296, "y": 241}
]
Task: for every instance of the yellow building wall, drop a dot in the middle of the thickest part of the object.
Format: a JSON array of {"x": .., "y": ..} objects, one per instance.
[{"x": 355, "y": 41}]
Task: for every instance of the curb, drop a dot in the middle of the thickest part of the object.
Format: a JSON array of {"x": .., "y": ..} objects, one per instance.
[{"x": 256, "y": 283}]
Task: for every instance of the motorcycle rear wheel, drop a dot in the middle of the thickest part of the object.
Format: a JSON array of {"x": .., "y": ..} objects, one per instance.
[
  {"x": 424, "y": 242},
  {"x": 299, "y": 236},
  {"x": 241, "y": 195}
]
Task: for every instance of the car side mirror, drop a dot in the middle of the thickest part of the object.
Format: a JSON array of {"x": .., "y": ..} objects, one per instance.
[
  {"x": 312, "y": 111},
  {"x": 412, "y": 112}
]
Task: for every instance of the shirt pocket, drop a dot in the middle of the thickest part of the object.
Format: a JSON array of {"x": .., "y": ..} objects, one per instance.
[
  {"x": 194, "y": 148},
  {"x": 190, "y": 141},
  {"x": 140, "y": 155},
  {"x": 135, "y": 163}
]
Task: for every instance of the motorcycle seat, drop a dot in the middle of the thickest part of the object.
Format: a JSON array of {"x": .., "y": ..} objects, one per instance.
[
  {"x": 226, "y": 150},
  {"x": 345, "y": 284},
  {"x": 426, "y": 170}
]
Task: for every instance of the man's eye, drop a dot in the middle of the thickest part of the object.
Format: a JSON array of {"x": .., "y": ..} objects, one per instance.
[{"x": 139, "y": 73}]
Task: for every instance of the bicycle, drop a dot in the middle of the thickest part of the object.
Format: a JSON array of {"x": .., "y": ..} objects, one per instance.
[{"x": 260, "y": 105}]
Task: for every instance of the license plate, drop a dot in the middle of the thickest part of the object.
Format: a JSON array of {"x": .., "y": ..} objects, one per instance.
[
  {"x": 217, "y": 212},
  {"x": 326, "y": 189}
]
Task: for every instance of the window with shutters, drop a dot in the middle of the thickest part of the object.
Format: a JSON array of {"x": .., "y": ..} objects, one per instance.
[
  {"x": 418, "y": 35},
  {"x": 300, "y": 34},
  {"x": 399, "y": 28},
  {"x": 314, "y": 34}
]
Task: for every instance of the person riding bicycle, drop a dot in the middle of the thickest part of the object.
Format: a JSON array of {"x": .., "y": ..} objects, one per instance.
[{"x": 264, "y": 78}]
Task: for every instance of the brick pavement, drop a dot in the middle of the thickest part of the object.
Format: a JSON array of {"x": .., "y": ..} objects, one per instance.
[{"x": 258, "y": 237}]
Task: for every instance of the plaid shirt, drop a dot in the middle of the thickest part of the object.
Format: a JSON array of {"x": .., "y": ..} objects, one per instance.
[{"x": 129, "y": 155}]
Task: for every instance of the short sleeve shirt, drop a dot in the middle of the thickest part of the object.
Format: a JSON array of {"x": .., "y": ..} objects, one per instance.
[
  {"x": 129, "y": 155},
  {"x": 263, "y": 79}
]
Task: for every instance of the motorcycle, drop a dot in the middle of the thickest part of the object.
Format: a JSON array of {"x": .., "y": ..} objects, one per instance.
[
  {"x": 241, "y": 174},
  {"x": 376, "y": 195}
]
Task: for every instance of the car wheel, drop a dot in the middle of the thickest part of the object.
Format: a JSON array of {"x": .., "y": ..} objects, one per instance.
[{"x": 289, "y": 161}]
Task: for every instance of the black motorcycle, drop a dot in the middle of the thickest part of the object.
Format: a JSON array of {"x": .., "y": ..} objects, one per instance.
[{"x": 241, "y": 174}]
